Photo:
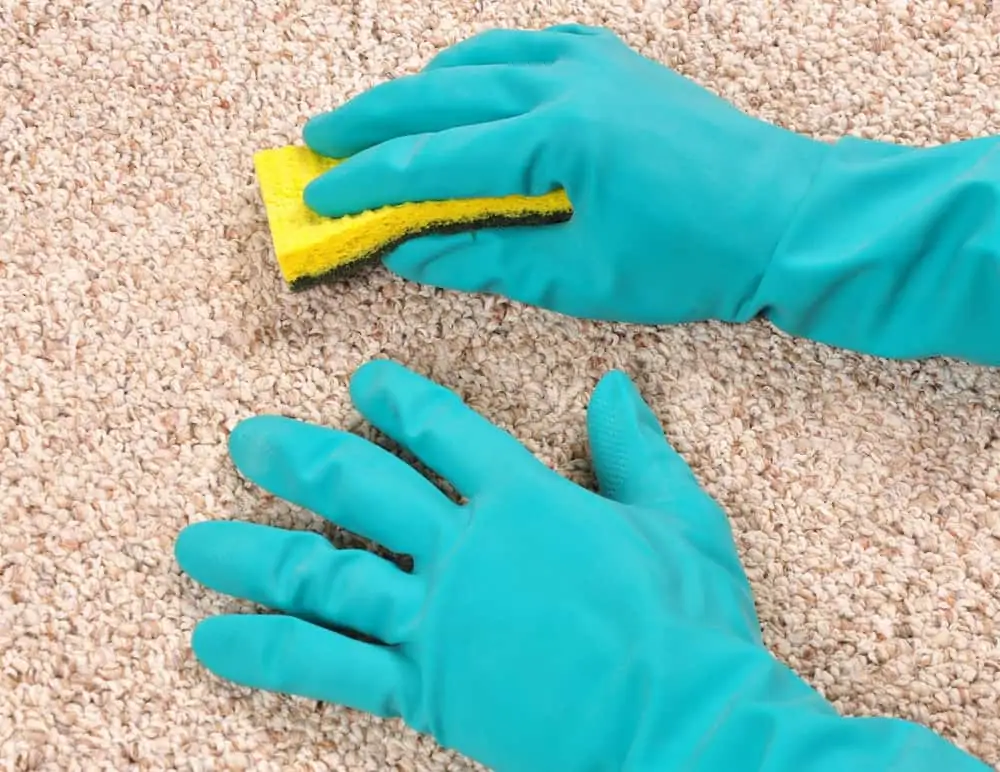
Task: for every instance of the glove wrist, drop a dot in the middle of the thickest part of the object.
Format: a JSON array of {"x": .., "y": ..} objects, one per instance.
[
  {"x": 760, "y": 715},
  {"x": 895, "y": 251},
  {"x": 787, "y": 725},
  {"x": 780, "y": 168}
]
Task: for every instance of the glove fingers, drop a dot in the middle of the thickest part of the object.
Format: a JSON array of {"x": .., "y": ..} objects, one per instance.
[
  {"x": 435, "y": 425},
  {"x": 347, "y": 480},
  {"x": 301, "y": 574},
  {"x": 529, "y": 264},
  {"x": 636, "y": 465},
  {"x": 504, "y": 47},
  {"x": 421, "y": 104},
  {"x": 502, "y": 158},
  {"x": 289, "y": 656}
]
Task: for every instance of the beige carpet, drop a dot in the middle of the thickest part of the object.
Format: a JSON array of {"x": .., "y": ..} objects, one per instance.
[{"x": 142, "y": 316}]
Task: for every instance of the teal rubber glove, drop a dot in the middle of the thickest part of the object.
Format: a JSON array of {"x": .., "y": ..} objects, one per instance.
[
  {"x": 679, "y": 198},
  {"x": 543, "y": 626},
  {"x": 685, "y": 208}
]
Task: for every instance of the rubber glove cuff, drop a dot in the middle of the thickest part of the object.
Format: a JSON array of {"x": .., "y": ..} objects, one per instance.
[{"x": 895, "y": 252}]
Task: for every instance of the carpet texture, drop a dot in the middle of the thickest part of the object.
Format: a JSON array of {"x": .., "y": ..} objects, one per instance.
[{"x": 143, "y": 315}]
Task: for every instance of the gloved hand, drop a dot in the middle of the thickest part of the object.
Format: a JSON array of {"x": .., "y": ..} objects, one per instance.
[
  {"x": 679, "y": 198},
  {"x": 544, "y": 627},
  {"x": 685, "y": 208}
]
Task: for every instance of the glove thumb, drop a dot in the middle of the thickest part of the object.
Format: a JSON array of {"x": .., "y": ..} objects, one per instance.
[
  {"x": 636, "y": 466},
  {"x": 632, "y": 458}
]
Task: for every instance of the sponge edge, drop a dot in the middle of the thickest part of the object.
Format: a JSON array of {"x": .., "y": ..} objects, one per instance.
[{"x": 312, "y": 249}]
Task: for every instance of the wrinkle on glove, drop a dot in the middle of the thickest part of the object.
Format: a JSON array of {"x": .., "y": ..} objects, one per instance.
[
  {"x": 895, "y": 251},
  {"x": 544, "y": 626}
]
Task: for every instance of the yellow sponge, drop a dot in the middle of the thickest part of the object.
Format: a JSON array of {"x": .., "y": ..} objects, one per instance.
[{"x": 310, "y": 248}]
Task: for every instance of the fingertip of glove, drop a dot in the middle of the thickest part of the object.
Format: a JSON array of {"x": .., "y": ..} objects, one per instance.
[
  {"x": 234, "y": 647},
  {"x": 271, "y": 450},
  {"x": 210, "y": 642},
  {"x": 189, "y": 546},
  {"x": 247, "y": 427},
  {"x": 619, "y": 378},
  {"x": 316, "y": 196},
  {"x": 319, "y": 136},
  {"x": 244, "y": 436},
  {"x": 185, "y": 542},
  {"x": 611, "y": 408},
  {"x": 616, "y": 400},
  {"x": 613, "y": 385},
  {"x": 256, "y": 436},
  {"x": 372, "y": 376},
  {"x": 311, "y": 131}
]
